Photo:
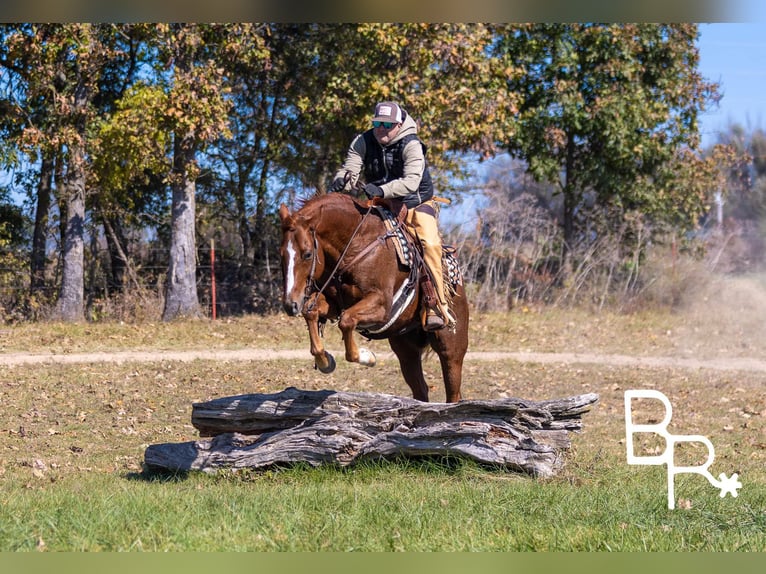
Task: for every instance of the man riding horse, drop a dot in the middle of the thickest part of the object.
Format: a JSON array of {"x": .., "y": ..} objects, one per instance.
[{"x": 392, "y": 160}]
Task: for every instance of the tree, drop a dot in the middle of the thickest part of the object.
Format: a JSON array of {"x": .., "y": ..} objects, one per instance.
[
  {"x": 58, "y": 67},
  {"x": 240, "y": 165},
  {"x": 131, "y": 159},
  {"x": 197, "y": 111},
  {"x": 15, "y": 113},
  {"x": 44, "y": 192},
  {"x": 116, "y": 207},
  {"x": 301, "y": 92},
  {"x": 609, "y": 111},
  {"x": 441, "y": 73},
  {"x": 744, "y": 187}
]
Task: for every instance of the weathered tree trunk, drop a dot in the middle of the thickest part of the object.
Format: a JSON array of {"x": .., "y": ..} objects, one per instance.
[
  {"x": 181, "y": 298},
  {"x": 328, "y": 427},
  {"x": 83, "y": 78},
  {"x": 70, "y": 306}
]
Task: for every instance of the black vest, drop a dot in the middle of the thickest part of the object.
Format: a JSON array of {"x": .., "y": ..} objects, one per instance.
[{"x": 383, "y": 164}]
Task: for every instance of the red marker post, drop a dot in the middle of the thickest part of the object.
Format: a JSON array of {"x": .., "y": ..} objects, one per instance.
[{"x": 212, "y": 274}]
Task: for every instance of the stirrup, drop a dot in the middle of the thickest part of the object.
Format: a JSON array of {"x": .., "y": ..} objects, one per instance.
[{"x": 434, "y": 322}]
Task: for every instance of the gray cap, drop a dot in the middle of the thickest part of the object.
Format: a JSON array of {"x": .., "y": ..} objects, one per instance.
[{"x": 388, "y": 112}]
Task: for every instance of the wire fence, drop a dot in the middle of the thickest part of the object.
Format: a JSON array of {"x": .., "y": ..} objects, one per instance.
[
  {"x": 236, "y": 288},
  {"x": 512, "y": 260}
]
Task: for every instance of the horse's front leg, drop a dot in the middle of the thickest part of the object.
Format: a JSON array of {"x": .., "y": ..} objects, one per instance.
[
  {"x": 355, "y": 353},
  {"x": 369, "y": 310},
  {"x": 323, "y": 360}
]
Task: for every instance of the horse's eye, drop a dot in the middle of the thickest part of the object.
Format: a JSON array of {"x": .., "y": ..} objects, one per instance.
[{"x": 307, "y": 256}]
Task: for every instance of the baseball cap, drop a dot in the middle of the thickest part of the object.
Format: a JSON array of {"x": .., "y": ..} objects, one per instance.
[{"x": 388, "y": 112}]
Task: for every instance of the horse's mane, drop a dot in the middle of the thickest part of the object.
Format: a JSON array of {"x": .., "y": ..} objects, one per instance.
[{"x": 309, "y": 204}]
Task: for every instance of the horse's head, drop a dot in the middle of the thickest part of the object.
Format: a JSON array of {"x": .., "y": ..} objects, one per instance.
[{"x": 298, "y": 253}]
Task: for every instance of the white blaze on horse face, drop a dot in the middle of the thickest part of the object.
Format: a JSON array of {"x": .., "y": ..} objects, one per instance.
[{"x": 290, "y": 275}]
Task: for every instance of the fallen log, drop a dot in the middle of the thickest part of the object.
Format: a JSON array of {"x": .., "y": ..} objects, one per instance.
[{"x": 258, "y": 431}]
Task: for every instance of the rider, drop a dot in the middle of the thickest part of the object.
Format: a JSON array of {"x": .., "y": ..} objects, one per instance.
[{"x": 392, "y": 160}]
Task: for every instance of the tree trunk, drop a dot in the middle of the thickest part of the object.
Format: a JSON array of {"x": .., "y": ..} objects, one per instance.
[
  {"x": 261, "y": 230},
  {"x": 117, "y": 246},
  {"x": 40, "y": 236},
  {"x": 240, "y": 201},
  {"x": 570, "y": 202},
  {"x": 327, "y": 427},
  {"x": 181, "y": 298},
  {"x": 71, "y": 304}
]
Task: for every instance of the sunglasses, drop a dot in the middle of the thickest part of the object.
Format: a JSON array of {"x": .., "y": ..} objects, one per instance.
[{"x": 387, "y": 125}]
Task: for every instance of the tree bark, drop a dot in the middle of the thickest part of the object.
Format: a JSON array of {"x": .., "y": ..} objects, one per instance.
[
  {"x": 327, "y": 427},
  {"x": 181, "y": 299},
  {"x": 83, "y": 77},
  {"x": 70, "y": 306},
  {"x": 116, "y": 246},
  {"x": 39, "y": 238}
]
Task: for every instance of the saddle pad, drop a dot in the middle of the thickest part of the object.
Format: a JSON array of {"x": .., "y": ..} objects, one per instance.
[
  {"x": 451, "y": 266},
  {"x": 403, "y": 247}
]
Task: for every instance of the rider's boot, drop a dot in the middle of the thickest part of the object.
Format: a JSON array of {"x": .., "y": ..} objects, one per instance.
[
  {"x": 434, "y": 322},
  {"x": 436, "y": 312}
]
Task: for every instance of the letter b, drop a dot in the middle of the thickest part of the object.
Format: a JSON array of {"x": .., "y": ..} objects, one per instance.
[{"x": 657, "y": 428}]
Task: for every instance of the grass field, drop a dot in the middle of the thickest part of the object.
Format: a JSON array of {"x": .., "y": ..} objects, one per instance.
[{"x": 72, "y": 439}]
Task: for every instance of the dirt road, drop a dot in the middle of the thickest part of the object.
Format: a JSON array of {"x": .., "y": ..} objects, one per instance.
[{"x": 721, "y": 364}]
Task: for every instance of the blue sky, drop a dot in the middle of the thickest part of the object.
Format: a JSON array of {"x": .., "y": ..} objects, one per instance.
[{"x": 734, "y": 55}]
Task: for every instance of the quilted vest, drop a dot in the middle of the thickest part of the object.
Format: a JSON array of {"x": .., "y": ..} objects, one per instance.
[{"x": 383, "y": 164}]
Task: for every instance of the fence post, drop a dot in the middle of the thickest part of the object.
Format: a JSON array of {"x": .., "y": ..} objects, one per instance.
[{"x": 212, "y": 274}]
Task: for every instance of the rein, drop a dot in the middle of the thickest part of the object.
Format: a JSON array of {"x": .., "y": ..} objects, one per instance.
[{"x": 332, "y": 275}]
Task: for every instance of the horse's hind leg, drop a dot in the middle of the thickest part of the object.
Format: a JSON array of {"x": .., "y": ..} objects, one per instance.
[
  {"x": 451, "y": 354},
  {"x": 410, "y": 355},
  {"x": 451, "y": 346},
  {"x": 452, "y": 372}
]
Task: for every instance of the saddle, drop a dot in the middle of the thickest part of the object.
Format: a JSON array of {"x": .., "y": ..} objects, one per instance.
[
  {"x": 393, "y": 212},
  {"x": 408, "y": 249}
]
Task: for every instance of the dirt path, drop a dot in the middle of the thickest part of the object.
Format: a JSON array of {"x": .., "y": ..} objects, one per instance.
[{"x": 721, "y": 364}]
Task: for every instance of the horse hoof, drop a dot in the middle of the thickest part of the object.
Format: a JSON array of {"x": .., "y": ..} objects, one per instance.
[
  {"x": 367, "y": 358},
  {"x": 330, "y": 364}
]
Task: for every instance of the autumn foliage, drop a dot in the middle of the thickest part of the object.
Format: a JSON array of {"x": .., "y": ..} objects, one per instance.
[{"x": 132, "y": 146}]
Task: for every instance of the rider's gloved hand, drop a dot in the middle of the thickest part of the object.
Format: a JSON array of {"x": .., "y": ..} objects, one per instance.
[
  {"x": 372, "y": 190},
  {"x": 338, "y": 184}
]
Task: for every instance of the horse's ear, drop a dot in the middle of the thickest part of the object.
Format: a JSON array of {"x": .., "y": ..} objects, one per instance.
[{"x": 284, "y": 213}]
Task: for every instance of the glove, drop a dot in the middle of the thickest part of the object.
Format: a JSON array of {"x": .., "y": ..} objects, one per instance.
[
  {"x": 372, "y": 190},
  {"x": 338, "y": 184}
]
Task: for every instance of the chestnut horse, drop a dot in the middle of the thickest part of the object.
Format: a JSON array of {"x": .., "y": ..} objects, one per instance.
[{"x": 340, "y": 262}]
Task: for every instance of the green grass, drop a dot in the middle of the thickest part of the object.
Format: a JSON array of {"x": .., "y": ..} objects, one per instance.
[
  {"x": 375, "y": 507},
  {"x": 72, "y": 439}
]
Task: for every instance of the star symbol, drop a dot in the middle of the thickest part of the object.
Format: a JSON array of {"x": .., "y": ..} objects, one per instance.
[{"x": 729, "y": 484}]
